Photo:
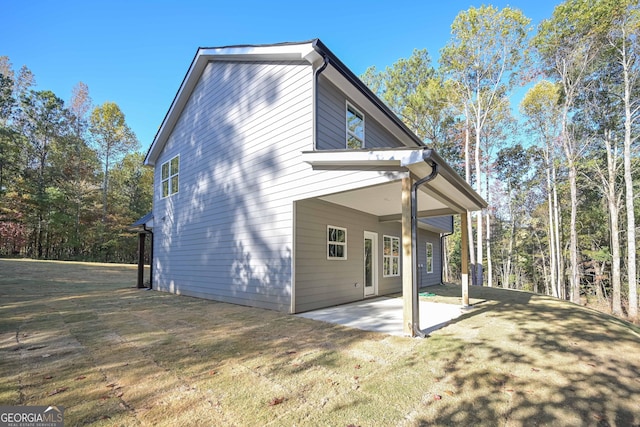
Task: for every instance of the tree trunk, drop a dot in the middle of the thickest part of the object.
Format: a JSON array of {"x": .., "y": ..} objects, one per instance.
[
  {"x": 553, "y": 265},
  {"x": 105, "y": 189},
  {"x": 467, "y": 170},
  {"x": 628, "y": 185},
  {"x": 556, "y": 224},
  {"x": 479, "y": 234},
  {"x": 614, "y": 212},
  {"x": 574, "y": 280},
  {"x": 489, "y": 261}
]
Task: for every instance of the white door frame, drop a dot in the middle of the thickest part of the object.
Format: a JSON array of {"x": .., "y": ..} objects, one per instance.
[{"x": 372, "y": 290}]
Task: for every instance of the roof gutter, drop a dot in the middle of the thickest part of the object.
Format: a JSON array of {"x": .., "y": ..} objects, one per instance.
[{"x": 427, "y": 156}]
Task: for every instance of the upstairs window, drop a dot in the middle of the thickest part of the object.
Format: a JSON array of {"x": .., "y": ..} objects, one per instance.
[
  {"x": 336, "y": 242},
  {"x": 391, "y": 256},
  {"x": 355, "y": 128},
  {"x": 170, "y": 172}
]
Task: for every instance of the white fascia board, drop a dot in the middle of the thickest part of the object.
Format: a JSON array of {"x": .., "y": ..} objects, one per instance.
[
  {"x": 284, "y": 52},
  {"x": 370, "y": 158}
]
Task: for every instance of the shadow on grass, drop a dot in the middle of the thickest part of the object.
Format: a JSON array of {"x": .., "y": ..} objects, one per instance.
[
  {"x": 112, "y": 354},
  {"x": 543, "y": 360}
]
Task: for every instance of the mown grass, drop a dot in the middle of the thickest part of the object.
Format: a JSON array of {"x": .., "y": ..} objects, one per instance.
[{"x": 81, "y": 336}]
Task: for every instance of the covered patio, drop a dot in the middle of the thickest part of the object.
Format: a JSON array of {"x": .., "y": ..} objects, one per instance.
[
  {"x": 385, "y": 315},
  {"x": 420, "y": 185}
]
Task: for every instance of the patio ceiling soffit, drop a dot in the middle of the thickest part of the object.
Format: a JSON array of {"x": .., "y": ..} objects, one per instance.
[{"x": 448, "y": 187}]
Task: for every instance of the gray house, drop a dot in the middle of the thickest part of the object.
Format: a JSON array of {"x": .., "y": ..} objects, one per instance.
[{"x": 283, "y": 182}]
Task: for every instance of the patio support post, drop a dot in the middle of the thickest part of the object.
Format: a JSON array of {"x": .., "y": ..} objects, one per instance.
[
  {"x": 464, "y": 254},
  {"x": 407, "y": 264},
  {"x": 141, "y": 237}
]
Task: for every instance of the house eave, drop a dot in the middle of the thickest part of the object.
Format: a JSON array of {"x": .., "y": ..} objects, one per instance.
[{"x": 448, "y": 188}]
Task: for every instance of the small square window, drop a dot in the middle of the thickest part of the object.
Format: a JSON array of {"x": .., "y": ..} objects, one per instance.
[{"x": 336, "y": 242}]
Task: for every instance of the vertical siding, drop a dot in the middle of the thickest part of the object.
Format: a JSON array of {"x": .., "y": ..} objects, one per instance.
[
  {"x": 321, "y": 282},
  {"x": 332, "y": 121},
  {"x": 226, "y": 234}
]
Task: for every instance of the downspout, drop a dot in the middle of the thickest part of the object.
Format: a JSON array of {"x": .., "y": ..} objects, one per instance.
[
  {"x": 150, "y": 232},
  {"x": 316, "y": 74},
  {"x": 442, "y": 237},
  {"x": 414, "y": 240},
  {"x": 314, "y": 123}
]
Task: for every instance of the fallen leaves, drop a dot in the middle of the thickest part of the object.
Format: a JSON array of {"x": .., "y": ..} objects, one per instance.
[
  {"x": 58, "y": 391},
  {"x": 276, "y": 401}
]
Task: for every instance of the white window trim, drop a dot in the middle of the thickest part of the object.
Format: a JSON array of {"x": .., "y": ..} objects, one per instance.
[
  {"x": 337, "y": 243},
  {"x": 429, "y": 265},
  {"x": 168, "y": 179},
  {"x": 346, "y": 126},
  {"x": 391, "y": 257}
]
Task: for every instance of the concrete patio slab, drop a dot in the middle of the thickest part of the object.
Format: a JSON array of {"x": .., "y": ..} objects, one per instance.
[{"x": 384, "y": 314}]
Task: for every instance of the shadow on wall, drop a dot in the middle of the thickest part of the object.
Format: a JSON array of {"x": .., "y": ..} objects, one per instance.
[{"x": 225, "y": 241}]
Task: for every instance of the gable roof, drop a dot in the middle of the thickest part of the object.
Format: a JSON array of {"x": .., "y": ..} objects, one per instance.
[{"x": 313, "y": 51}]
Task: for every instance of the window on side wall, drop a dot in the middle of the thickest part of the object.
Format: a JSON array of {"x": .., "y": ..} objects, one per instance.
[
  {"x": 429, "y": 257},
  {"x": 336, "y": 242},
  {"x": 170, "y": 172},
  {"x": 391, "y": 256},
  {"x": 355, "y": 128}
]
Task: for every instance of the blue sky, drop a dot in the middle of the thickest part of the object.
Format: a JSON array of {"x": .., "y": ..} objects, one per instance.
[{"x": 136, "y": 53}]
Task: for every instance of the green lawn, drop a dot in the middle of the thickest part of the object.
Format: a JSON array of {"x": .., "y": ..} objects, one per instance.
[{"x": 81, "y": 336}]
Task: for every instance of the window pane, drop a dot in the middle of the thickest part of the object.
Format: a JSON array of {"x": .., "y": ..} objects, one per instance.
[
  {"x": 174, "y": 184},
  {"x": 165, "y": 188},
  {"x": 387, "y": 246},
  {"x": 396, "y": 247},
  {"x": 175, "y": 165},
  {"x": 341, "y": 235},
  {"x": 339, "y": 251},
  {"x": 355, "y": 128},
  {"x": 165, "y": 170},
  {"x": 354, "y": 122},
  {"x": 386, "y": 270},
  {"x": 332, "y": 251},
  {"x": 332, "y": 234},
  {"x": 353, "y": 142},
  {"x": 396, "y": 267}
]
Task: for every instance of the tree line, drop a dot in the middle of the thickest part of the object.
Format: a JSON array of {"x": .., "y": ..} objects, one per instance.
[
  {"x": 560, "y": 169},
  {"x": 560, "y": 175},
  {"x": 71, "y": 178}
]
